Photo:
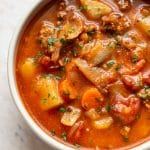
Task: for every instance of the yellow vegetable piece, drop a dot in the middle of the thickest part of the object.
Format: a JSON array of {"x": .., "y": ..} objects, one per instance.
[
  {"x": 103, "y": 123},
  {"x": 95, "y": 9},
  {"x": 28, "y": 69},
  {"x": 92, "y": 114},
  {"x": 144, "y": 24},
  {"x": 47, "y": 89},
  {"x": 70, "y": 117}
]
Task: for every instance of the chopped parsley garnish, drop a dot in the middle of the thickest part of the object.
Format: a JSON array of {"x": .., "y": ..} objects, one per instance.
[
  {"x": 44, "y": 100},
  {"x": 62, "y": 70},
  {"x": 73, "y": 52},
  {"x": 77, "y": 146},
  {"x": 108, "y": 108},
  {"x": 99, "y": 109},
  {"x": 35, "y": 64},
  {"x": 135, "y": 59},
  {"x": 111, "y": 45},
  {"x": 58, "y": 77},
  {"x": 72, "y": 30},
  {"x": 51, "y": 96},
  {"x": 80, "y": 46},
  {"x": 58, "y": 28},
  {"x": 117, "y": 68},
  {"x": 51, "y": 41},
  {"x": 47, "y": 76},
  {"x": 53, "y": 133},
  {"x": 90, "y": 33},
  {"x": 146, "y": 87},
  {"x": 125, "y": 139},
  {"x": 110, "y": 63},
  {"x": 63, "y": 41},
  {"x": 38, "y": 55},
  {"x": 62, "y": 109},
  {"x": 64, "y": 136},
  {"x": 139, "y": 83},
  {"x": 66, "y": 60},
  {"x": 83, "y": 7},
  {"x": 144, "y": 93}
]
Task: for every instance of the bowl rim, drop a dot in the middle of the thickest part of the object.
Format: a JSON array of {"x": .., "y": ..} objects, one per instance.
[{"x": 53, "y": 143}]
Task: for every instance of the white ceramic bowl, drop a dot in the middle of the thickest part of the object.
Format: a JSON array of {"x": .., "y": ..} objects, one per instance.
[{"x": 54, "y": 144}]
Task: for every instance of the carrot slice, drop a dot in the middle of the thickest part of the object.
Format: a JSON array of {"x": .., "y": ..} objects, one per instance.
[{"x": 92, "y": 98}]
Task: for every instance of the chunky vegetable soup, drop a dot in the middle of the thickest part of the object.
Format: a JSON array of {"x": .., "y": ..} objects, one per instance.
[{"x": 83, "y": 71}]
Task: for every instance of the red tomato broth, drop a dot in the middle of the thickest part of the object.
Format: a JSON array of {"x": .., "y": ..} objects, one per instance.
[{"x": 50, "y": 120}]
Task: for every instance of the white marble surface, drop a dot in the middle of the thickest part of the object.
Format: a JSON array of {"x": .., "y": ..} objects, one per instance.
[{"x": 14, "y": 132}]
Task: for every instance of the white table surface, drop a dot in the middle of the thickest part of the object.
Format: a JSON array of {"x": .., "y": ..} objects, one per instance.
[{"x": 14, "y": 132}]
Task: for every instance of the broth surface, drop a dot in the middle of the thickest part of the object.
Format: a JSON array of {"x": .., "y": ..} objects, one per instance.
[{"x": 114, "y": 83}]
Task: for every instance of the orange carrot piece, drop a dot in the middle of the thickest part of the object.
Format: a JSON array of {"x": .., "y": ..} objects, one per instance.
[{"x": 92, "y": 98}]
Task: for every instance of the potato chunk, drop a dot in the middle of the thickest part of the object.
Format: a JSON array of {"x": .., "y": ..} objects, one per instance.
[
  {"x": 28, "y": 69},
  {"x": 70, "y": 116},
  {"x": 144, "y": 24},
  {"x": 143, "y": 19},
  {"x": 47, "y": 89},
  {"x": 95, "y": 9},
  {"x": 103, "y": 123}
]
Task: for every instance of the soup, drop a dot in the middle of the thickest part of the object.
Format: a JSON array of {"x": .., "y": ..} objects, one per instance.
[{"x": 83, "y": 72}]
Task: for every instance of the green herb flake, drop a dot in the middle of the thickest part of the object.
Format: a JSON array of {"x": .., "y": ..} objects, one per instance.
[
  {"x": 108, "y": 108},
  {"x": 72, "y": 30},
  {"x": 90, "y": 33},
  {"x": 35, "y": 64},
  {"x": 81, "y": 8},
  {"x": 53, "y": 133},
  {"x": 51, "y": 41},
  {"x": 99, "y": 109},
  {"x": 139, "y": 83},
  {"x": 73, "y": 52},
  {"x": 63, "y": 41},
  {"x": 80, "y": 46},
  {"x": 66, "y": 60},
  {"x": 125, "y": 139},
  {"x": 58, "y": 77},
  {"x": 62, "y": 109},
  {"x": 111, "y": 45},
  {"x": 47, "y": 76},
  {"x": 77, "y": 146},
  {"x": 144, "y": 94},
  {"x": 117, "y": 68},
  {"x": 146, "y": 87},
  {"x": 135, "y": 59},
  {"x": 62, "y": 70},
  {"x": 64, "y": 136},
  {"x": 49, "y": 95},
  {"x": 58, "y": 28},
  {"x": 110, "y": 63},
  {"x": 38, "y": 55},
  {"x": 44, "y": 100}
]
